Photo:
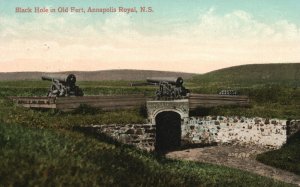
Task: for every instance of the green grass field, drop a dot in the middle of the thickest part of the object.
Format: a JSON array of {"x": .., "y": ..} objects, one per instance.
[
  {"x": 287, "y": 158},
  {"x": 40, "y": 148},
  {"x": 48, "y": 157}
]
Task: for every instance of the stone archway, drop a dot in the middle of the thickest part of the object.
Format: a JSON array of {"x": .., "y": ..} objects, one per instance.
[
  {"x": 168, "y": 117},
  {"x": 168, "y": 131},
  {"x": 156, "y": 107}
]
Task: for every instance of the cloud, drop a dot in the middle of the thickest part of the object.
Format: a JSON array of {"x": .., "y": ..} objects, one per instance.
[
  {"x": 50, "y": 43},
  {"x": 241, "y": 25}
]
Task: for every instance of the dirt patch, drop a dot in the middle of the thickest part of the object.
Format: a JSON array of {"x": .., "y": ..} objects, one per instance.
[{"x": 240, "y": 157}]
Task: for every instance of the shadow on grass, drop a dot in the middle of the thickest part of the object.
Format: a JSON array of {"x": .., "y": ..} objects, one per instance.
[{"x": 159, "y": 155}]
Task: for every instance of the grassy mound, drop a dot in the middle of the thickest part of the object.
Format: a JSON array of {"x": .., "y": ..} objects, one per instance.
[
  {"x": 253, "y": 74},
  {"x": 287, "y": 158},
  {"x": 50, "y": 157}
]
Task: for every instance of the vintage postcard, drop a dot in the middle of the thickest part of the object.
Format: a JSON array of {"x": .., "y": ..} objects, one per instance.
[{"x": 149, "y": 93}]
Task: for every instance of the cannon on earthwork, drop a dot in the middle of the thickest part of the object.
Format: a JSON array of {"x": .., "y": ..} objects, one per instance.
[
  {"x": 168, "y": 87},
  {"x": 63, "y": 85}
]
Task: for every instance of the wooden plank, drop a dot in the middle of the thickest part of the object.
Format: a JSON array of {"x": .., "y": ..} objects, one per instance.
[
  {"x": 125, "y": 101},
  {"x": 199, "y": 100},
  {"x": 216, "y": 96},
  {"x": 216, "y": 101},
  {"x": 213, "y": 100},
  {"x": 220, "y": 97},
  {"x": 32, "y": 98},
  {"x": 39, "y": 105},
  {"x": 99, "y": 97},
  {"x": 104, "y": 102},
  {"x": 79, "y": 100},
  {"x": 93, "y": 99},
  {"x": 193, "y": 106},
  {"x": 105, "y": 109},
  {"x": 102, "y": 106}
]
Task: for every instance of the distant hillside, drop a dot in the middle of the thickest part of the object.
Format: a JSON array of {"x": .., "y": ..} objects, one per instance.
[
  {"x": 253, "y": 74},
  {"x": 244, "y": 75},
  {"x": 98, "y": 75}
]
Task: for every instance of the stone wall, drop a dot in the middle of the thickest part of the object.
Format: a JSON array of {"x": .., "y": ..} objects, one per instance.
[
  {"x": 233, "y": 130},
  {"x": 268, "y": 133},
  {"x": 293, "y": 126},
  {"x": 179, "y": 106},
  {"x": 139, "y": 135}
]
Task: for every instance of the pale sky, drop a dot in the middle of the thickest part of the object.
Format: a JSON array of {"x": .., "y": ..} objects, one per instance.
[{"x": 189, "y": 36}]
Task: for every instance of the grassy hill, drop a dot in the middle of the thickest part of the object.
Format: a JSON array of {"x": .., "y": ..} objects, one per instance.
[
  {"x": 98, "y": 75},
  {"x": 48, "y": 157},
  {"x": 254, "y": 74}
]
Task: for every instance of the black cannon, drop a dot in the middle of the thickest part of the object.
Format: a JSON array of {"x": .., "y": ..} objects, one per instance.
[
  {"x": 63, "y": 85},
  {"x": 169, "y": 87}
]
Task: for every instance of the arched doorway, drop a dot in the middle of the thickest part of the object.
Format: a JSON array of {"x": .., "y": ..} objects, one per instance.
[{"x": 168, "y": 131}]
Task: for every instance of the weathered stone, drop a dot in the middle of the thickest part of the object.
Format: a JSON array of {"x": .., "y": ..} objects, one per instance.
[
  {"x": 257, "y": 120},
  {"x": 156, "y": 107},
  {"x": 267, "y": 121},
  {"x": 139, "y": 131},
  {"x": 146, "y": 126},
  {"x": 130, "y": 131},
  {"x": 152, "y": 136},
  {"x": 205, "y": 130},
  {"x": 134, "y": 136},
  {"x": 150, "y": 131},
  {"x": 136, "y": 141},
  {"x": 124, "y": 138}
]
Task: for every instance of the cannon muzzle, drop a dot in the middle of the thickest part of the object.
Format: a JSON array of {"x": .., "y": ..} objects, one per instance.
[{"x": 46, "y": 78}]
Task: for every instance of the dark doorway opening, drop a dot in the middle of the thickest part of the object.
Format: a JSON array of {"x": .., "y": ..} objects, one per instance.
[{"x": 168, "y": 131}]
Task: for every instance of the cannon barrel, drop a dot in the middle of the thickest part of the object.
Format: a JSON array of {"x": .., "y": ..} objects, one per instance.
[
  {"x": 69, "y": 78},
  {"x": 178, "y": 81},
  {"x": 142, "y": 84},
  {"x": 46, "y": 78}
]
